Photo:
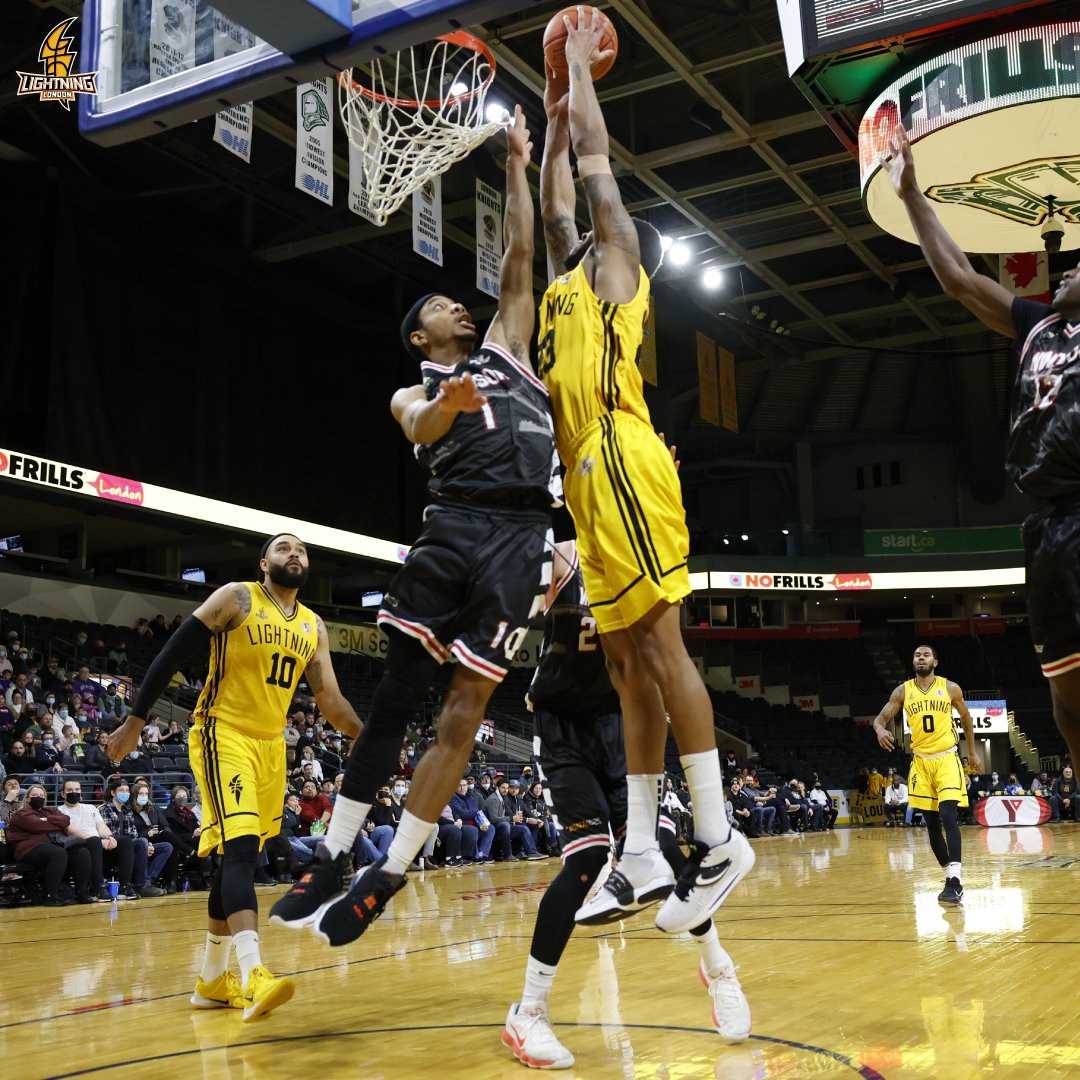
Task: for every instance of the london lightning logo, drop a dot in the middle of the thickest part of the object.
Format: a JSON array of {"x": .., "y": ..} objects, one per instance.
[{"x": 57, "y": 55}]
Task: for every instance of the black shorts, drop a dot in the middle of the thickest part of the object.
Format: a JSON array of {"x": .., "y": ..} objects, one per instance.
[
  {"x": 1052, "y": 547},
  {"x": 470, "y": 585},
  {"x": 582, "y": 765}
]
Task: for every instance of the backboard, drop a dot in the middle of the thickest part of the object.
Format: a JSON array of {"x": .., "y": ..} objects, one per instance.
[{"x": 162, "y": 63}]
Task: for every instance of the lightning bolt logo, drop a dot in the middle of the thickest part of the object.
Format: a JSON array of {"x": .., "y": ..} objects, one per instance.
[{"x": 57, "y": 56}]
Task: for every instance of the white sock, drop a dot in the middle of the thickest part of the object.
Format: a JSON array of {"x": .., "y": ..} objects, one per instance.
[
  {"x": 408, "y": 840},
  {"x": 713, "y": 955},
  {"x": 706, "y": 784},
  {"x": 345, "y": 823},
  {"x": 538, "y": 980},
  {"x": 953, "y": 870},
  {"x": 216, "y": 958},
  {"x": 642, "y": 811},
  {"x": 247, "y": 952}
]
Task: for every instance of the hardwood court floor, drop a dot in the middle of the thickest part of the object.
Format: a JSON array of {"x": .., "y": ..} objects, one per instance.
[{"x": 851, "y": 968}]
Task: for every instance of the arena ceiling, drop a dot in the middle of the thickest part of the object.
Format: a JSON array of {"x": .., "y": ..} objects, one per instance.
[{"x": 716, "y": 146}]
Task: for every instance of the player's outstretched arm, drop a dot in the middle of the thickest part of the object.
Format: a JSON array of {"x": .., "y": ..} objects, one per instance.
[
  {"x": 889, "y": 710},
  {"x": 322, "y": 679},
  {"x": 513, "y": 325},
  {"x": 986, "y": 299},
  {"x": 956, "y": 696},
  {"x": 222, "y": 610},
  {"x": 615, "y": 240},
  {"x": 558, "y": 200},
  {"x": 424, "y": 421}
]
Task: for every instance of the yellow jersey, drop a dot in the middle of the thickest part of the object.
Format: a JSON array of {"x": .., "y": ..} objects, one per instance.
[
  {"x": 929, "y": 715},
  {"x": 588, "y": 351},
  {"x": 254, "y": 668}
]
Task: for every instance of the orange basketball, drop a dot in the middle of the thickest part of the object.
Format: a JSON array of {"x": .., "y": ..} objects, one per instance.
[{"x": 555, "y": 42}]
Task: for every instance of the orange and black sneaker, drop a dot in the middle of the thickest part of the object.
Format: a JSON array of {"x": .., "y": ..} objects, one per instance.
[
  {"x": 346, "y": 919},
  {"x": 320, "y": 883}
]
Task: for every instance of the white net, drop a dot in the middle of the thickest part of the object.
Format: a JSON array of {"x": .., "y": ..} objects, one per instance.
[{"x": 414, "y": 114}]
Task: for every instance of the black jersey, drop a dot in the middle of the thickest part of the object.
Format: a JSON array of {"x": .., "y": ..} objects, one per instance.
[
  {"x": 572, "y": 674},
  {"x": 1043, "y": 457},
  {"x": 503, "y": 455}
]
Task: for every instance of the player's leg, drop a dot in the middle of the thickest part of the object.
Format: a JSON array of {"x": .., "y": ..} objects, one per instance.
[
  {"x": 397, "y": 698},
  {"x": 433, "y": 782},
  {"x": 1065, "y": 700}
]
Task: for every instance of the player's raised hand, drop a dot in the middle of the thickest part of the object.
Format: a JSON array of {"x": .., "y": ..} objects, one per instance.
[
  {"x": 583, "y": 41},
  {"x": 518, "y": 140},
  {"x": 125, "y": 738},
  {"x": 458, "y": 395},
  {"x": 899, "y": 162}
]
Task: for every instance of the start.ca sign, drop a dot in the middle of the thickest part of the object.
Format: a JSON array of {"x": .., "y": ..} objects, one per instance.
[{"x": 1012, "y": 810}]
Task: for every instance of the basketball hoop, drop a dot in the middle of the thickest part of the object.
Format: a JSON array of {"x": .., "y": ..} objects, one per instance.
[{"x": 414, "y": 114}]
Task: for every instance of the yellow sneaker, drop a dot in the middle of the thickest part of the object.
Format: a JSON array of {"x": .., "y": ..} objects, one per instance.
[
  {"x": 224, "y": 992},
  {"x": 264, "y": 992}
]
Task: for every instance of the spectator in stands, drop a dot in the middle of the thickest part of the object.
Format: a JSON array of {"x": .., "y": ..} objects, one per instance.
[
  {"x": 47, "y": 757},
  {"x": 18, "y": 687},
  {"x": 118, "y": 660},
  {"x": 183, "y": 821},
  {"x": 5, "y": 662},
  {"x": 147, "y": 744},
  {"x": 308, "y": 758},
  {"x": 994, "y": 784},
  {"x": 99, "y": 656},
  {"x": 151, "y": 825},
  {"x": 159, "y": 628},
  {"x": 1065, "y": 790},
  {"x": 313, "y": 807},
  {"x": 467, "y": 806},
  {"x": 54, "y": 676},
  {"x": 38, "y": 834},
  {"x": 176, "y": 623},
  {"x": 20, "y": 660},
  {"x": 112, "y": 704},
  {"x": 404, "y": 767},
  {"x": 536, "y": 810},
  {"x": 819, "y": 798},
  {"x": 16, "y": 763},
  {"x": 72, "y": 750},
  {"x": 292, "y": 727},
  {"x": 88, "y": 830},
  {"x": 498, "y": 810},
  {"x": 297, "y": 849},
  {"x": 83, "y": 648},
  {"x": 142, "y": 628},
  {"x": 11, "y": 798},
  {"x": 484, "y": 786},
  {"x": 383, "y": 817},
  {"x": 896, "y": 803},
  {"x": 33, "y": 680},
  {"x": 677, "y": 810},
  {"x": 1013, "y": 786},
  {"x": 748, "y": 816},
  {"x": 93, "y": 714},
  {"x": 515, "y": 804},
  {"x": 175, "y": 738},
  {"x": 731, "y": 763},
  {"x": 1045, "y": 791},
  {"x": 789, "y": 799},
  {"x": 97, "y": 755},
  {"x": 875, "y": 783},
  {"x": 147, "y": 859},
  {"x": 82, "y": 684},
  {"x": 133, "y": 764}
]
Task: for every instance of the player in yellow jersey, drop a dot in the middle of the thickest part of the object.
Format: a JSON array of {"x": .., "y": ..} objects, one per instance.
[
  {"x": 623, "y": 491},
  {"x": 261, "y": 640},
  {"x": 936, "y": 782}
]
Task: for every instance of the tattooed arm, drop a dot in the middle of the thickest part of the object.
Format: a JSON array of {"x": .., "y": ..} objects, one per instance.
[
  {"x": 225, "y": 608},
  {"x": 557, "y": 198},
  {"x": 324, "y": 685}
]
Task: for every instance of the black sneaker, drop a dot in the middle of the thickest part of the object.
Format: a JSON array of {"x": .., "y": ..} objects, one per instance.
[
  {"x": 103, "y": 895},
  {"x": 319, "y": 884},
  {"x": 149, "y": 890},
  {"x": 129, "y": 892},
  {"x": 953, "y": 892},
  {"x": 264, "y": 880},
  {"x": 346, "y": 919}
]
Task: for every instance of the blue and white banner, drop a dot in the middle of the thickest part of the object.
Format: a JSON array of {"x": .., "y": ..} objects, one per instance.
[
  {"x": 315, "y": 140},
  {"x": 489, "y": 238},
  {"x": 233, "y": 126},
  {"x": 427, "y": 220},
  {"x": 172, "y": 37}
]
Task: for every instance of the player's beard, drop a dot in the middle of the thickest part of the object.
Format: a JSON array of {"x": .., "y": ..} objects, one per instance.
[{"x": 287, "y": 577}]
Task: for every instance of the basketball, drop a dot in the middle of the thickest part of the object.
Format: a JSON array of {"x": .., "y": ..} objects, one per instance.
[{"x": 555, "y": 43}]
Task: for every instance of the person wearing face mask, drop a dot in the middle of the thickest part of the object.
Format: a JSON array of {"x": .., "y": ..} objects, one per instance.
[
  {"x": 20, "y": 661},
  {"x": 151, "y": 825},
  {"x": 464, "y": 808},
  {"x": 5, "y": 663},
  {"x": 119, "y": 818},
  {"x": 112, "y": 704},
  {"x": 819, "y": 797},
  {"x": 47, "y": 757},
  {"x": 39, "y": 835},
  {"x": 87, "y": 830},
  {"x": 72, "y": 751},
  {"x": 184, "y": 823},
  {"x": 83, "y": 648}
]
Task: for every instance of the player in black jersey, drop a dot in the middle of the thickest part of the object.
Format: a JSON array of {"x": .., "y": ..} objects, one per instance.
[
  {"x": 1043, "y": 455},
  {"x": 481, "y": 424},
  {"x": 578, "y": 735}
]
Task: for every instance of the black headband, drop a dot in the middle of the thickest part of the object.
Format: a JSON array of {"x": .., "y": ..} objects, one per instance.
[
  {"x": 409, "y": 324},
  {"x": 269, "y": 541}
]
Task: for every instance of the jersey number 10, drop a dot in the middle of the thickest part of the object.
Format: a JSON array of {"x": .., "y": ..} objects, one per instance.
[{"x": 284, "y": 677}]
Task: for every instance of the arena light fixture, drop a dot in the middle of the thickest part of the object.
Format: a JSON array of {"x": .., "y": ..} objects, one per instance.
[
  {"x": 712, "y": 278},
  {"x": 496, "y": 113},
  {"x": 679, "y": 254},
  {"x": 665, "y": 242}
]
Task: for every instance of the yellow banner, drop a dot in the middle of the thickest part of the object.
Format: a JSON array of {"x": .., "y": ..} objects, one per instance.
[
  {"x": 647, "y": 353},
  {"x": 729, "y": 406},
  {"x": 708, "y": 380}
]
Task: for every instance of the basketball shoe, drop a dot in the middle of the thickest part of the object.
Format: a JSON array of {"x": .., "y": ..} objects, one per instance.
[
  {"x": 264, "y": 992},
  {"x": 953, "y": 892},
  {"x": 635, "y": 882},
  {"x": 709, "y": 875},
  {"x": 529, "y": 1035},
  {"x": 318, "y": 885},
  {"x": 224, "y": 992},
  {"x": 731, "y": 1010},
  {"x": 346, "y": 919}
]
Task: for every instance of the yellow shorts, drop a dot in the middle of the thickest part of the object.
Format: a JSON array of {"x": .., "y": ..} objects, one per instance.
[
  {"x": 623, "y": 491},
  {"x": 242, "y": 782},
  {"x": 934, "y": 780}
]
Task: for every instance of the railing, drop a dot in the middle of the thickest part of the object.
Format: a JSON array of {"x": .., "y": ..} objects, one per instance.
[{"x": 1022, "y": 746}]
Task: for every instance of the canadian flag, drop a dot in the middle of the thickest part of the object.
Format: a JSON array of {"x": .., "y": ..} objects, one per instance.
[{"x": 1026, "y": 274}]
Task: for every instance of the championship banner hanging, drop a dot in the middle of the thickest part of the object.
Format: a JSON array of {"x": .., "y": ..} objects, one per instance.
[
  {"x": 647, "y": 355},
  {"x": 729, "y": 406},
  {"x": 172, "y": 37},
  {"x": 359, "y": 199},
  {"x": 708, "y": 380},
  {"x": 315, "y": 140},
  {"x": 427, "y": 220},
  {"x": 489, "y": 238},
  {"x": 232, "y": 126}
]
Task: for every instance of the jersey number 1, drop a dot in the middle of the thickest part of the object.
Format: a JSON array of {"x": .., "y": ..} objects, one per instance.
[{"x": 284, "y": 677}]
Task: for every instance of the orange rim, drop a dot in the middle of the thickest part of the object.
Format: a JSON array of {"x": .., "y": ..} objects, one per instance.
[{"x": 459, "y": 37}]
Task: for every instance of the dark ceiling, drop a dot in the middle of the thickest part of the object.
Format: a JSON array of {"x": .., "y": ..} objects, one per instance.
[{"x": 713, "y": 143}]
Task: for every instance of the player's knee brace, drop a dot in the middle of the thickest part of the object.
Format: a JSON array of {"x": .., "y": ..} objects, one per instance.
[
  {"x": 238, "y": 875},
  {"x": 948, "y": 814}
]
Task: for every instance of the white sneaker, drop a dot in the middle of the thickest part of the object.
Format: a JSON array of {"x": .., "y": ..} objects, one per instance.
[
  {"x": 635, "y": 882},
  {"x": 731, "y": 1010},
  {"x": 708, "y": 876},
  {"x": 529, "y": 1035}
]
